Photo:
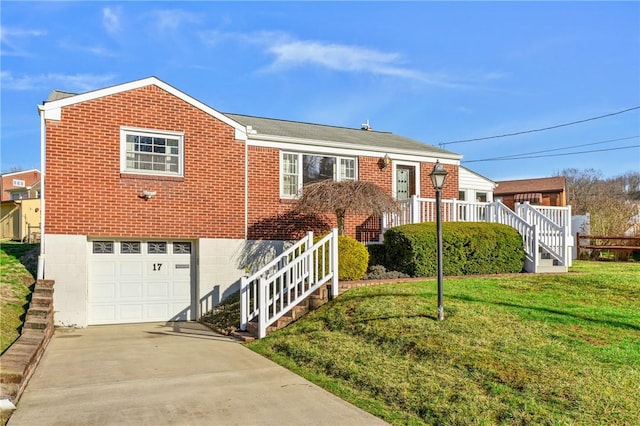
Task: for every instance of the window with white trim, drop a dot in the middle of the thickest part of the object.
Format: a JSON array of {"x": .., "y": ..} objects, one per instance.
[
  {"x": 152, "y": 152},
  {"x": 19, "y": 183},
  {"x": 297, "y": 170}
]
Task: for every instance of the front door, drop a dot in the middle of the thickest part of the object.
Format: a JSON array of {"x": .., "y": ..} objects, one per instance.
[{"x": 405, "y": 182}]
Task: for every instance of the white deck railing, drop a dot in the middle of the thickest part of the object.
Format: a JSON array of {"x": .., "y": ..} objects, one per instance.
[
  {"x": 287, "y": 280},
  {"x": 547, "y": 227},
  {"x": 418, "y": 210},
  {"x": 553, "y": 236}
]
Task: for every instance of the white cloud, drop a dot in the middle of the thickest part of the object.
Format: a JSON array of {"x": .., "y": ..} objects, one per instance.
[
  {"x": 171, "y": 19},
  {"x": 51, "y": 81},
  {"x": 10, "y": 39},
  {"x": 289, "y": 52},
  {"x": 111, "y": 19},
  {"x": 92, "y": 50}
]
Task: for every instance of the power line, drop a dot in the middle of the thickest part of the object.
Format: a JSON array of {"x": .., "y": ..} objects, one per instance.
[
  {"x": 542, "y": 129},
  {"x": 556, "y": 155},
  {"x": 515, "y": 156}
]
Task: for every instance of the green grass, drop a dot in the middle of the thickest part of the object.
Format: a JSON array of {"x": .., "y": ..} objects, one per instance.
[
  {"x": 523, "y": 349},
  {"x": 16, "y": 280}
]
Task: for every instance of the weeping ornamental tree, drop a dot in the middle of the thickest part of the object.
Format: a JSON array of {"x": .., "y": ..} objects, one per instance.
[{"x": 345, "y": 197}]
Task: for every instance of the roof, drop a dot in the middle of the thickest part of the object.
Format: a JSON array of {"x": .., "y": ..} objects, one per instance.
[
  {"x": 266, "y": 128},
  {"x": 20, "y": 172},
  {"x": 370, "y": 139},
  {"x": 477, "y": 174},
  {"x": 549, "y": 184},
  {"x": 56, "y": 95}
]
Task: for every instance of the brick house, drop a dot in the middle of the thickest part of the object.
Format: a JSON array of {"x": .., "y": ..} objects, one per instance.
[
  {"x": 21, "y": 185},
  {"x": 155, "y": 204},
  {"x": 20, "y": 206},
  {"x": 549, "y": 191}
]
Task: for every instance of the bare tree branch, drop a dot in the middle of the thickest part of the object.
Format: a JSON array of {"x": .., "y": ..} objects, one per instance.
[{"x": 345, "y": 197}]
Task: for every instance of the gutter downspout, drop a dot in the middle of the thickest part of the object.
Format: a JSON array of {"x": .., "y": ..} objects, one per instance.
[
  {"x": 246, "y": 187},
  {"x": 43, "y": 133}
]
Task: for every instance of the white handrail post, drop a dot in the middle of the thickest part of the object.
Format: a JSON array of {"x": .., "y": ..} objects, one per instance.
[
  {"x": 244, "y": 302},
  {"x": 310, "y": 265},
  {"x": 262, "y": 310},
  {"x": 454, "y": 213},
  {"x": 568, "y": 237},
  {"x": 415, "y": 209},
  {"x": 494, "y": 211},
  {"x": 334, "y": 262},
  {"x": 536, "y": 242}
]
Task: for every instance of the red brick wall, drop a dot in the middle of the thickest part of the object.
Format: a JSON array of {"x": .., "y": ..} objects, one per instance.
[
  {"x": 272, "y": 218},
  {"x": 450, "y": 189},
  {"x": 87, "y": 195}
]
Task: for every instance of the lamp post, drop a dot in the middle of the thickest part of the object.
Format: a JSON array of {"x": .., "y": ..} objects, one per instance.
[{"x": 438, "y": 176}]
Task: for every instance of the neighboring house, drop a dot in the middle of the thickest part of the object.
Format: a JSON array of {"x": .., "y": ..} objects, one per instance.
[
  {"x": 474, "y": 187},
  {"x": 20, "y": 185},
  {"x": 20, "y": 207},
  {"x": 550, "y": 191},
  {"x": 156, "y": 204}
]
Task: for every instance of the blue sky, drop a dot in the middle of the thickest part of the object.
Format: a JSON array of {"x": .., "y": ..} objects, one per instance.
[{"x": 436, "y": 72}]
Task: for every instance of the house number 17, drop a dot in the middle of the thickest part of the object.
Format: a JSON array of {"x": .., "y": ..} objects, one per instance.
[{"x": 157, "y": 266}]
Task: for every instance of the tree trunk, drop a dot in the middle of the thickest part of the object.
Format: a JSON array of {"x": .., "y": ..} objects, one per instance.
[{"x": 340, "y": 218}]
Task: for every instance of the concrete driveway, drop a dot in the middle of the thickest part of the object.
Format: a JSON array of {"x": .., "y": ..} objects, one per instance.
[{"x": 178, "y": 374}]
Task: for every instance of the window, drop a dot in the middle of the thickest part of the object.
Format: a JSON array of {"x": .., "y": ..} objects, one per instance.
[
  {"x": 157, "y": 247},
  {"x": 19, "y": 195},
  {"x": 130, "y": 247},
  {"x": 481, "y": 197},
  {"x": 462, "y": 195},
  {"x": 181, "y": 248},
  {"x": 150, "y": 152},
  {"x": 300, "y": 169},
  {"x": 19, "y": 182},
  {"x": 103, "y": 247}
]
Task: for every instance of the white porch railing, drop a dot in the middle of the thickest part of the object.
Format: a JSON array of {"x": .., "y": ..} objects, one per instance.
[
  {"x": 287, "y": 280},
  {"x": 418, "y": 210},
  {"x": 546, "y": 227},
  {"x": 554, "y": 233}
]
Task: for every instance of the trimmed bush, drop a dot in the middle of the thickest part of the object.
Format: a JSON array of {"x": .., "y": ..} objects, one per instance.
[
  {"x": 353, "y": 258},
  {"x": 376, "y": 254},
  {"x": 468, "y": 248}
]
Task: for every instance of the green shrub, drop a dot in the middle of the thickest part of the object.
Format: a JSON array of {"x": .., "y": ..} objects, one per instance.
[
  {"x": 376, "y": 254},
  {"x": 353, "y": 258},
  {"x": 468, "y": 248}
]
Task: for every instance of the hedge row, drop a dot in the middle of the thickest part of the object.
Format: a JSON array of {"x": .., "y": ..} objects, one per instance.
[{"x": 468, "y": 248}]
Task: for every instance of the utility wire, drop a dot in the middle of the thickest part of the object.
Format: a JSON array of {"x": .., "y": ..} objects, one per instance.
[
  {"x": 515, "y": 156},
  {"x": 556, "y": 155},
  {"x": 442, "y": 144}
]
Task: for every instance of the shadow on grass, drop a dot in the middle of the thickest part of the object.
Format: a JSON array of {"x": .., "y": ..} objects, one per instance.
[{"x": 618, "y": 324}]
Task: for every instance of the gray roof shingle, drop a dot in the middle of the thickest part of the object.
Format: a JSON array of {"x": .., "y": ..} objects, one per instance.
[{"x": 318, "y": 132}]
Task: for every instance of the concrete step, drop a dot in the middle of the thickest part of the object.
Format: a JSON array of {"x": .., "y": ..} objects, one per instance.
[{"x": 542, "y": 269}]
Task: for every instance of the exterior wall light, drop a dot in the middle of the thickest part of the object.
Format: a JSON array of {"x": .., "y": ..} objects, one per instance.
[{"x": 385, "y": 161}]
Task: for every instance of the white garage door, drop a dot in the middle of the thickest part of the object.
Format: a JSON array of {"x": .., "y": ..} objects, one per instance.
[{"x": 139, "y": 281}]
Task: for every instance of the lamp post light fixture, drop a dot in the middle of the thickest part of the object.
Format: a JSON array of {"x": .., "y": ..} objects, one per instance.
[{"x": 438, "y": 176}]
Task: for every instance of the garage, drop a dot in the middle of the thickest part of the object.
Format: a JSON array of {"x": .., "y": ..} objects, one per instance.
[{"x": 132, "y": 281}]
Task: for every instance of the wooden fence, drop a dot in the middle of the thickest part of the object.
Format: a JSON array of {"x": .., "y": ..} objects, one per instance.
[{"x": 601, "y": 243}]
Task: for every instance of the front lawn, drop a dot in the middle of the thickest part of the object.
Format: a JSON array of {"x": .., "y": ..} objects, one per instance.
[
  {"x": 522, "y": 349},
  {"x": 16, "y": 280}
]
